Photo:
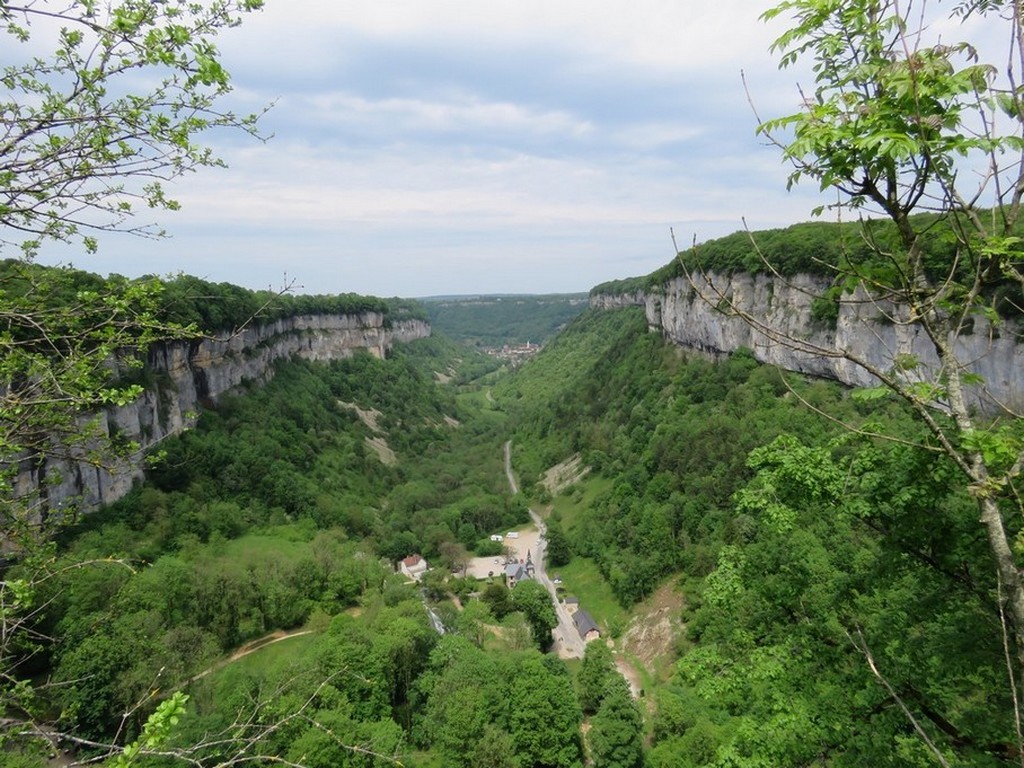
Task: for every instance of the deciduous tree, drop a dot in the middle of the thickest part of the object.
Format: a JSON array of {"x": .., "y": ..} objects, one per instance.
[
  {"x": 616, "y": 734},
  {"x": 102, "y": 103},
  {"x": 597, "y": 668},
  {"x": 533, "y": 600},
  {"x": 91, "y": 129},
  {"x": 907, "y": 123},
  {"x": 544, "y": 718}
]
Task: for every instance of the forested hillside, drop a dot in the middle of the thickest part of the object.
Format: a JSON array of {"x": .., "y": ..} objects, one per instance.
[
  {"x": 834, "y": 581},
  {"x": 493, "y": 321},
  {"x": 286, "y": 510},
  {"x": 832, "y": 588},
  {"x": 183, "y": 301},
  {"x": 762, "y": 569}
]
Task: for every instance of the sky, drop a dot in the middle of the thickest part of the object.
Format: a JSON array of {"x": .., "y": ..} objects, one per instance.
[{"x": 427, "y": 147}]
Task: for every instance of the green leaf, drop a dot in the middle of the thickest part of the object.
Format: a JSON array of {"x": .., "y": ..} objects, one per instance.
[{"x": 870, "y": 393}]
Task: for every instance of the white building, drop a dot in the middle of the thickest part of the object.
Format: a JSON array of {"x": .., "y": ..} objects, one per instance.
[{"x": 414, "y": 567}]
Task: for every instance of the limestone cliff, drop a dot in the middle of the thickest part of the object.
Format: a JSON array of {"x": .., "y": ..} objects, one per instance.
[
  {"x": 699, "y": 314},
  {"x": 188, "y": 374}
]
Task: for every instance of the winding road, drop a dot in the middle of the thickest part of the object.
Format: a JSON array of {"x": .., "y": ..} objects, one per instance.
[{"x": 568, "y": 642}]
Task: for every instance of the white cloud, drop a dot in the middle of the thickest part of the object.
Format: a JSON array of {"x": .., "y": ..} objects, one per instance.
[
  {"x": 460, "y": 112},
  {"x": 664, "y": 34},
  {"x": 652, "y": 135},
  {"x": 476, "y": 145},
  {"x": 662, "y": 38}
]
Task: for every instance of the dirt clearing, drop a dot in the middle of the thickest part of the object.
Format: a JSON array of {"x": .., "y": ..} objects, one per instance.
[
  {"x": 651, "y": 635},
  {"x": 518, "y": 547},
  {"x": 561, "y": 476}
]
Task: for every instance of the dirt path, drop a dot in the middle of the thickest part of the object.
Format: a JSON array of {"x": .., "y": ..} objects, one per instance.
[
  {"x": 629, "y": 672},
  {"x": 508, "y": 468},
  {"x": 251, "y": 647},
  {"x": 61, "y": 759}
]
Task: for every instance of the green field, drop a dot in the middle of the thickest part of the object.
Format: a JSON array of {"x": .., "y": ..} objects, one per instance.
[{"x": 582, "y": 579}]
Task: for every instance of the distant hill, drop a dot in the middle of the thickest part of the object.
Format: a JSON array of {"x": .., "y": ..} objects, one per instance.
[{"x": 496, "y": 320}]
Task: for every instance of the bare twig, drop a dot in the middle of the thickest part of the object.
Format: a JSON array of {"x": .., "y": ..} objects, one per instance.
[{"x": 861, "y": 645}]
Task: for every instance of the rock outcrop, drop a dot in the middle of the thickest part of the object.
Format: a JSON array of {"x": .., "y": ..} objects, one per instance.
[
  {"x": 773, "y": 317},
  {"x": 189, "y": 374},
  {"x": 618, "y": 300}
]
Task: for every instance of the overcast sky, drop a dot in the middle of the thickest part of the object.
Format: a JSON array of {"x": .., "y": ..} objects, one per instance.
[{"x": 426, "y": 147}]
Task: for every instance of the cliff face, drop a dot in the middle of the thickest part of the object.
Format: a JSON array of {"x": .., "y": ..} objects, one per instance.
[
  {"x": 618, "y": 301},
  {"x": 698, "y": 314},
  {"x": 194, "y": 373}
]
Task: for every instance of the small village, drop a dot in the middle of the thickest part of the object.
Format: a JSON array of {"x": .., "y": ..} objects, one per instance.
[
  {"x": 518, "y": 565},
  {"x": 513, "y": 354}
]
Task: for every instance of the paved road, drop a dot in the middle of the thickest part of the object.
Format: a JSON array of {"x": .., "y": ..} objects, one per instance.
[{"x": 568, "y": 642}]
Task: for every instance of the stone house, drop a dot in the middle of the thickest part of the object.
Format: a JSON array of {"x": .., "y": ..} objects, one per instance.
[
  {"x": 413, "y": 566},
  {"x": 586, "y": 626}
]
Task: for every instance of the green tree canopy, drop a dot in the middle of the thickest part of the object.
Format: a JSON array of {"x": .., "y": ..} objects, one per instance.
[
  {"x": 907, "y": 124},
  {"x": 102, "y": 103},
  {"x": 597, "y": 668},
  {"x": 533, "y": 600},
  {"x": 616, "y": 731}
]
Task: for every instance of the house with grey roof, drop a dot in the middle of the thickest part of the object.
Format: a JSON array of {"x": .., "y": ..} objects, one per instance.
[{"x": 586, "y": 626}]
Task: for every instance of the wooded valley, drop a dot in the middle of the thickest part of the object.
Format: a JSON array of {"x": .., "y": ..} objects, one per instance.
[
  {"x": 317, "y": 567},
  {"x": 784, "y": 557}
]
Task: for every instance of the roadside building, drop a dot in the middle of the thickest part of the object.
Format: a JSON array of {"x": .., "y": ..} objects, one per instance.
[
  {"x": 586, "y": 626},
  {"x": 517, "y": 570}
]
